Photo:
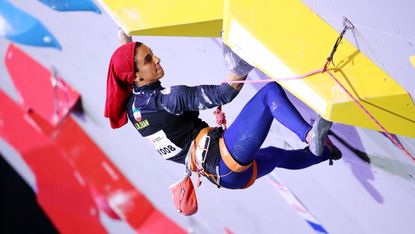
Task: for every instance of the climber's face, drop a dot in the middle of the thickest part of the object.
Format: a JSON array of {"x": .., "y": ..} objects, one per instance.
[{"x": 147, "y": 66}]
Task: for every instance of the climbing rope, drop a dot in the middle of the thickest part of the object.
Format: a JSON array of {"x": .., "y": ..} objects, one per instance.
[
  {"x": 347, "y": 25},
  {"x": 277, "y": 78},
  {"x": 388, "y": 134}
]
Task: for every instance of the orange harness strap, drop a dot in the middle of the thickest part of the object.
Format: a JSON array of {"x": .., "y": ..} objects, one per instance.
[
  {"x": 253, "y": 177},
  {"x": 234, "y": 165},
  {"x": 226, "y": 157}
]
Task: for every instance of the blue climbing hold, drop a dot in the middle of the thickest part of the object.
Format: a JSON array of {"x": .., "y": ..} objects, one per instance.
[
  {"x": 72, "y": 5},
  {"x": 20, "y": 27}
]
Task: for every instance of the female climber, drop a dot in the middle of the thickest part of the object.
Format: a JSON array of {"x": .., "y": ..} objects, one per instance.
[{"x": 168, "y": 117}]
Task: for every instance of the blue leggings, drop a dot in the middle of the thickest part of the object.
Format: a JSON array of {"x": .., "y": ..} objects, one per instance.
[{"x": 249, "y": 130}]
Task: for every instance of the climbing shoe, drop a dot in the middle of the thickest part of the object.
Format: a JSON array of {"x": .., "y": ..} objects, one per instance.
[{"x": 318, "y": 136}]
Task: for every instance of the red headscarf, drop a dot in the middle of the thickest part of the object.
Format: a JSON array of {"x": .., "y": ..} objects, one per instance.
[{"x": 119, "y": 84}]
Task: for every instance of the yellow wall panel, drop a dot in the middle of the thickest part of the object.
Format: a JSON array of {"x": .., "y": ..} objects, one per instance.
[
  {"x": 285, "y": 38},
  {"x": 167, "y": 18}
]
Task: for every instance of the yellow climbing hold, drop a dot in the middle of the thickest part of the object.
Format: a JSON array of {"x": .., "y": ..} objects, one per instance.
[
  {"x": 285, "y": 38},
  {"x": 167, "y": 18}
]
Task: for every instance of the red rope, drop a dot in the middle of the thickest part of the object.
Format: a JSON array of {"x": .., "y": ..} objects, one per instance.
[
  {"x": 277, "y": 78},
  {"x": 347, "y": 25},
  {"x": 324, "y": 69},
  {"x": 399, "y": 145}
]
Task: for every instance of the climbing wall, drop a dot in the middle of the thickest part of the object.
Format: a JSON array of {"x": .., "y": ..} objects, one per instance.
[
  {"x": 302, "y": 47},
  {"x": 370, "y": 190}
]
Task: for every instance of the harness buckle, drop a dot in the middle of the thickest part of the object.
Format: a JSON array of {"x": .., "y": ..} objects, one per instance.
[{"x": 204, "y": 149}]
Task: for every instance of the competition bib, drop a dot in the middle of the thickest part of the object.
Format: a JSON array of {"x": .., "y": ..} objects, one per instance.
[{"x": 163, "y": 145}]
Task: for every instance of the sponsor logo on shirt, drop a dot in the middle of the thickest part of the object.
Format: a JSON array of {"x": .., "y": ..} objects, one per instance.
[{"x": 142, "y": 124}]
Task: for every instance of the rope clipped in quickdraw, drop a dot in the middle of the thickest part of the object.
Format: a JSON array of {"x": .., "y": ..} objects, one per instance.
[{"x": 346, "y": 25}]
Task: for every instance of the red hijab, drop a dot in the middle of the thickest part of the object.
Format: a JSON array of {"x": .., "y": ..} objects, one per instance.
[{"x": 119, "y": 84}]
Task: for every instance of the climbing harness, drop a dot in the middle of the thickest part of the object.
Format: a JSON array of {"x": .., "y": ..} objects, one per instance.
[
  {"x": 184, "y": 195},
  {"x": 199, "y": 153}
]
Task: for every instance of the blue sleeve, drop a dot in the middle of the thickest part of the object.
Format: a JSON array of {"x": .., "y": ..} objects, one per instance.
[{"x": 176, "y": 99}]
